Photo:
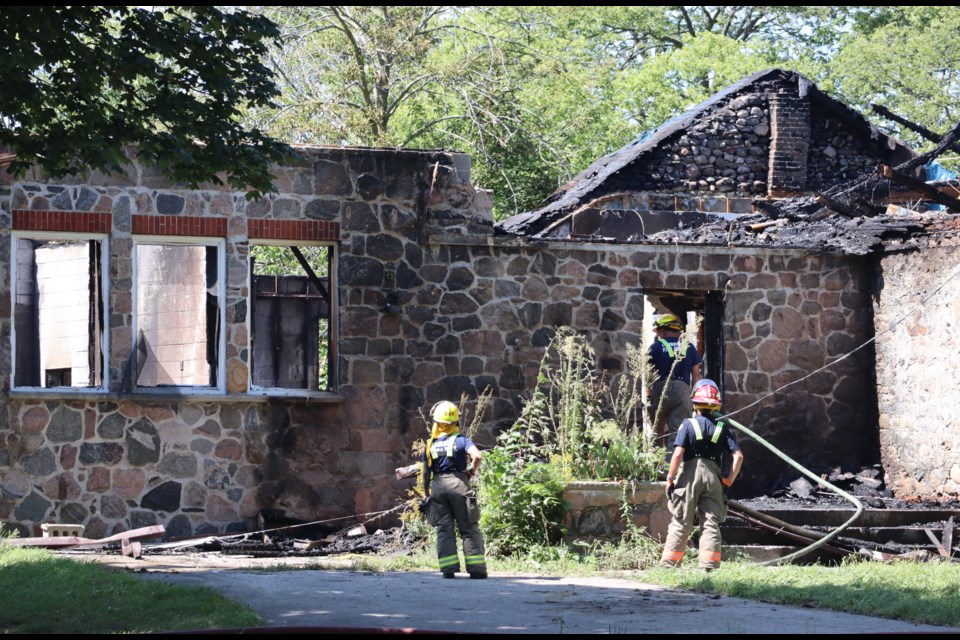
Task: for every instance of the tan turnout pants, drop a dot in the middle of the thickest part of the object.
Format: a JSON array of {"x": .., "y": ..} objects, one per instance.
[
  {"x": 698, "y": 493},
  {"x": 676, "y": 408}
]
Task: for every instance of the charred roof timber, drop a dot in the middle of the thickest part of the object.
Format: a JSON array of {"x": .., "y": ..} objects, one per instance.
[{"x": 841, "y": 189}]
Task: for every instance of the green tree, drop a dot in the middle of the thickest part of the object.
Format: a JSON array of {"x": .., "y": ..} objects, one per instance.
[
  {"x": 533, "y": 94},
  {"x": 537, "y": 109},
  {"x": 639, "y": 33},
  {"x": 347, "y": 71},
  {"x": 908, "y": 60},
  {"x": 494, "y": 82},
  {"x": 81, "y": 83}
]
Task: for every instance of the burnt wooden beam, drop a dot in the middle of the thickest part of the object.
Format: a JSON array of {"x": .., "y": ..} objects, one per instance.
[
  {"x": 919, "y": 185},
  {"x": 913, "y": 126},
  {"x": 805, "y": 540},
  {"x": 769, "y": 208},
  {"x": 947, "y": 142},
  {"x": 948, "y": 537},
  {"x": 836, "y": 206},
  {"x": 943, "y": 552},
  {"x": 310, "y": 273}
]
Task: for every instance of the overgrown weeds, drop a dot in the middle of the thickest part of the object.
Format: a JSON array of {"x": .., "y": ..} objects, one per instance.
[{"x": 576, "y": 426}]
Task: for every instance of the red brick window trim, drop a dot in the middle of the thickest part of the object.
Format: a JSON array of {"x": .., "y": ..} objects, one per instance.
[
  {"x": 308, "y": 230},
  {"x": 180, "y": 226},
  {"x": 62, "y": 221}
]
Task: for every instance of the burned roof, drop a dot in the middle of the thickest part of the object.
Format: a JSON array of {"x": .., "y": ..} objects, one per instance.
[
  {"x": 600, "y": 178},
  {"x": 901, "y": 229}
]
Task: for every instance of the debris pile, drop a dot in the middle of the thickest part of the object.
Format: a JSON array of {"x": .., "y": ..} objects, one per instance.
[
  {"x": 356, "y": 540},
  {"x": 797, "y": 512}
]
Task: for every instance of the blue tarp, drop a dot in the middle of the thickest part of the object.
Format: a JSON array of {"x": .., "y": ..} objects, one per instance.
[{"x": 935, "y": 171}]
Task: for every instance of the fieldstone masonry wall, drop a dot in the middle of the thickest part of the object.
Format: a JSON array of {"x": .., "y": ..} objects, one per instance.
[
  {"x": 431, "y": 305},
  {"x": 595, "y": 510},
  {"x": 917, "y": 346},
  {"x": 772, "y": 139},
  {"x": 724, "y": 153}
]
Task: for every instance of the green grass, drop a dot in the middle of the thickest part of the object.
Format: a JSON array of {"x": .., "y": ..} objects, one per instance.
[
  {"x": 927, "y": 593},
  {"x": 40, "y": 593}
]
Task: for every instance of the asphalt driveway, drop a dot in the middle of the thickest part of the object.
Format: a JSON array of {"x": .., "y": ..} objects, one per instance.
[{"x": 421, "y": 601}]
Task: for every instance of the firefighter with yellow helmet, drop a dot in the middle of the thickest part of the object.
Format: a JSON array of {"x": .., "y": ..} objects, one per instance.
[
  {"x": 677, "y": 363},
  {"x": 450, "y": 460},
  {"x": 695, "y": 482}
]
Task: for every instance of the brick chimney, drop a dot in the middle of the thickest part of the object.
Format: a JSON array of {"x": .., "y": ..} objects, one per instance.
[{"x": 789, "y": 142}]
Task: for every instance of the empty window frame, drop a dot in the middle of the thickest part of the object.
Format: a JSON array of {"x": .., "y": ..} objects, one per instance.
[
  {"x": 178, "y": 318},
  {"x": 58, "y": 292},
  {"x": 292, "y": 316}
]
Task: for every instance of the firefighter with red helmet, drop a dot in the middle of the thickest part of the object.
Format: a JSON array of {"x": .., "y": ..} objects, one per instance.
[
  {"x": 678, "y": 366},
  {"x": 450, "y": 460},
  {"x": 695, "y": 482}
]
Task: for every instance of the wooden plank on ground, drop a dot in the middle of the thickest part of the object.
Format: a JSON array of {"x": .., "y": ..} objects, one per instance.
[{"x": 76, "y": 541}]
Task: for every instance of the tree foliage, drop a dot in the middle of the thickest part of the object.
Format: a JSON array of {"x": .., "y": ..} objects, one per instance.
[
  {"x": 494, "y": 82},
  {"x": 535, "y": 94},
  {"x": 81, "y": 83},
  {"x": 908, "y": 60}
]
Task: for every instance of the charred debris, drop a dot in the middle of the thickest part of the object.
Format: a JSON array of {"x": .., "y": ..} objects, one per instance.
[
  {"x": 796, "y": 513},
  {"x": 890, "y": 208}
]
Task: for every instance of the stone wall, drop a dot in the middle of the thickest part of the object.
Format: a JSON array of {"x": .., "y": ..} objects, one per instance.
[
  {"x": 595, "y": 510},
  {"x": 789, "y": 322},
  {"x": 769, "y": 140},
  {"x": 122, "y": 457},
  {"x": 725, "y": 152},
  {"x": 917, "y": 313},
  {"x": 842, "y": 155},
  {"x": 430, "y": 305}
]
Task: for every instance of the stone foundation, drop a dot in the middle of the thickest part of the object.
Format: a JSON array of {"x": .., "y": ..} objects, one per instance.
[{"x": 596, "y": 510}]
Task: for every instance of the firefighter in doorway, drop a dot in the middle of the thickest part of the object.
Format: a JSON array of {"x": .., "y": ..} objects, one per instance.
[{"x": 678, "y": 366}]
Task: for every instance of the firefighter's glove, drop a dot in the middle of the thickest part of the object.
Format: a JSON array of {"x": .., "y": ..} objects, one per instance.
[
  {"x": 424, "y": 505},
  {"x": 670, "y": 488},
  {"x": 726, "y": 482}
]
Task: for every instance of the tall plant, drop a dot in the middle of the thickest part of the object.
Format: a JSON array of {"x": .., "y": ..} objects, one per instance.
[
  {"x": 576, "y": 425},
  {"x": 590, "y": 428}
]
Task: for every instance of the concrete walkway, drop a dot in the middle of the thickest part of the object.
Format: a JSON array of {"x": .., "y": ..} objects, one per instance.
[{"x": 511, "y": 604}]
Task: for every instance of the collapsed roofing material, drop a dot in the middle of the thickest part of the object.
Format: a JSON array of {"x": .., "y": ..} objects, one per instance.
[
  {"x": 854, "y": 217},
  {"x": 622, "y": 172}
]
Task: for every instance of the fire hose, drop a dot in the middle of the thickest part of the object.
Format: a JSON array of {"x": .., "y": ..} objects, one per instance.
[{"x": 833, "y": 534}]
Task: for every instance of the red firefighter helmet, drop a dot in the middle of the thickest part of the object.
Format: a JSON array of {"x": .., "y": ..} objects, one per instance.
[{"x": 706, "y": 395}]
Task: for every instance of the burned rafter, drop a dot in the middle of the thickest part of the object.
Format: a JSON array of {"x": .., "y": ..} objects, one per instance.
[
  {"x": 856, "y": 198},
  {"x": 919, "y": 185},
  {"x": 310, "y": 273},
  {"x": 913, "y": 126}
]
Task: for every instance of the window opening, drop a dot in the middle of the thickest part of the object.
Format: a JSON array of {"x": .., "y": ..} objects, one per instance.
[
  {"x": 291, "y": 321},
  {"x": 178, "y": 315},
  {"x": 58, "y": 313}
]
